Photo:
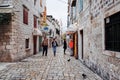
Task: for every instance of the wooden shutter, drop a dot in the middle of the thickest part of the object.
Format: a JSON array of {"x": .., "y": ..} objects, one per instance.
[
  {"x": 35, "y": 22},
  {"x": 25, "y": 15}
]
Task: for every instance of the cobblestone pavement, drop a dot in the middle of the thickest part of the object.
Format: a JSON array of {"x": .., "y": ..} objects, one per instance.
[{"x": 40, "y": 67}]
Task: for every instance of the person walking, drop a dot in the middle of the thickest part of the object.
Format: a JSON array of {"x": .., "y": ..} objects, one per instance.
[
  {"x": 54, "y": 45},
  {"x": 65, "y": 45},
  {"x": 45, "y": 46},
  {"x": 71, "y": 47}
]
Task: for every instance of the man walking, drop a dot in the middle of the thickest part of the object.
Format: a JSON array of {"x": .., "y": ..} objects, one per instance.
[
  {"x": 45, "y": 46},
  {"x": 54, "y": 45}
]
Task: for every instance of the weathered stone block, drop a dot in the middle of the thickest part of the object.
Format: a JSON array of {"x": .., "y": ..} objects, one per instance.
[
  {"x": 13, "y": 42},
  {"x": 2, "y": 48},
  {"x": 6, "y": 57},
  {"x": 9, "y": 47}
]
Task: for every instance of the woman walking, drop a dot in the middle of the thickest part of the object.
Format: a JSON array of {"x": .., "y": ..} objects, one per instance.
[
  {"x": 65, "y": 46},
  {"x": 54, "y": 45}
]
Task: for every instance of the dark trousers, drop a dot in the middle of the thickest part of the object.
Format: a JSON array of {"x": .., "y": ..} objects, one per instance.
[
  {"x": 64, "y": 50},
  {"x": 45, "y": 48}
]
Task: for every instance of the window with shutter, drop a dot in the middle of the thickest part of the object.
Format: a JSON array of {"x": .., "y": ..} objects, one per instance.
[
  {"x": 25, "y": 15},
  {"x": 35, "y": 22}
]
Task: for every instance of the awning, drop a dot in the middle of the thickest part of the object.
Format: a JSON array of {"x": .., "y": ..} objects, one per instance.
[
  {"x": 6, "y": 9},
  {"x": 72, "y": 28},
  {"x": 81, "y": 28},
  {"x": 37, "y": 32},
  {"x": 69, "y": 32}
]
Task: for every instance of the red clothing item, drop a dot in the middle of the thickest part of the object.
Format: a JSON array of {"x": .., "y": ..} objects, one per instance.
[{"x": 71, "y": 44}]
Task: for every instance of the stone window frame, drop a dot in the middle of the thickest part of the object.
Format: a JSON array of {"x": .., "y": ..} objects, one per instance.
[
  {"x": 108, "y": 52},
  {"x": 27, "y": 43}
]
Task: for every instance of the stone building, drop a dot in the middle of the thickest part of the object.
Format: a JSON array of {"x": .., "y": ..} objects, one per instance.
[
  {"x": 53, "y": 30},
  {"x": 19, "y": 28},
  {"x": 57, "y": 30},
  {"x": 98, "y": 36}
]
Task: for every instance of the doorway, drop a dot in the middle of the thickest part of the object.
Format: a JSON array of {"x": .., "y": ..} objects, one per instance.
[
  {"x": 40, "y": 43},
  {"x": 75, "y": 48},
  {"x": 34, "y": 44},
  {"x": 81, "y": 33},
  {"x": 76, "y": 45}
]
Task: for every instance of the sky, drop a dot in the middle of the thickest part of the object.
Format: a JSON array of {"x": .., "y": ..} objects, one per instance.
[{"x": 58, "y": 9}]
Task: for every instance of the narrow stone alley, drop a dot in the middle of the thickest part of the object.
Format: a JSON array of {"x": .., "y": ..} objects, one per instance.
[{"x": 40, "y": 67}]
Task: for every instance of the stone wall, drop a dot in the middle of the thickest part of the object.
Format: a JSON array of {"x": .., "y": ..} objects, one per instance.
[
  {"x": 21, "y": 31},
  {"x": 12, "y": 37},
  {"x": 5, "y": 44},
  {"x": 103, "y": 62}
]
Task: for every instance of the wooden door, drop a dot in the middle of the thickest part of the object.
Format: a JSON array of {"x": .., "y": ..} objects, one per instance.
[{"x": 76, "y": 45}]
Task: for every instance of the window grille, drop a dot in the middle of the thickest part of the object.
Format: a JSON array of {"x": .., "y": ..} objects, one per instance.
[
  {"x": 112, "y": 32},
  {"x": 5, "y": 18}
]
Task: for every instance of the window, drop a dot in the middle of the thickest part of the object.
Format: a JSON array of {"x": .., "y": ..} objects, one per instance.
[
  {"x": 50, "y": 32},
  {"x": 73, "y": 3},
  {"x": 57, "y": 31},
  {"x": 35, "y": 2},
  {"x": 74, "y": 13},
  {"x": 35, "y": 22},
  {"x": 80, "y": 5},
  {"x": 112, "y": 32},
  {"x": 5, "y": 18},
  {"x": 25, "y": 15},
  {"x": 41, "y": 3},
  {"x": 27, "y": 43}
]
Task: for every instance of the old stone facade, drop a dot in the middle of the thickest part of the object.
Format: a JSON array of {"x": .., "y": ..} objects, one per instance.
[
  {"x": 16, "y": 39},
  {"x": 91, "y": 31},
  {"x": 54, "y": 30}
]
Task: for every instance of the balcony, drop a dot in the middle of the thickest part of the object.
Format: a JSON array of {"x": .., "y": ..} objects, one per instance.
[{"x": 6, "y": 6}]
